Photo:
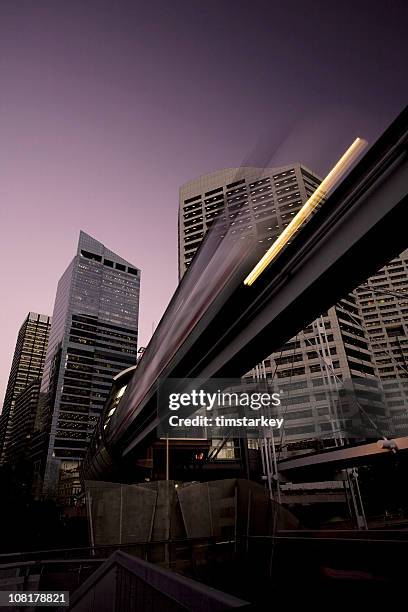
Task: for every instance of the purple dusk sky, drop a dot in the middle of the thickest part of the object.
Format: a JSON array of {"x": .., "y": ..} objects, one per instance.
[{"x": 106, "y": 108}]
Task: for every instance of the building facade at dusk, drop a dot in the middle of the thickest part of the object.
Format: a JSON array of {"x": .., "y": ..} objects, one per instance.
[
  {"x": 27, "y": 366},
  {"x": 383, "y": 305},
  {"x": 250, "y": 200},
  {"x": 25, "y": 410},
  {"x": 334, "y": 348},
  {"x": 93, "y": 337}
]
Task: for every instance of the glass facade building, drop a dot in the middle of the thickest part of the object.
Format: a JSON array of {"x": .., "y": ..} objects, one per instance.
[
  {"x": 27, "y": 366},
  {"x": 92, "y": 338}
]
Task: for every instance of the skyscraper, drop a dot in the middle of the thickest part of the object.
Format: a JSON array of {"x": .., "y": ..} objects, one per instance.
[
  {"x": 26, "y": 367},
  {"x": 332, "y": 349},
  {"x": 383, "y": 304},
  {"x": 92, "y": 338},
  {"x": 249, "y": 199},
  {"x": 25, "y": 409}
]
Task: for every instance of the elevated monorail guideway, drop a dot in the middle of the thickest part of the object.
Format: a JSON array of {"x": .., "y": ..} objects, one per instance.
[{"x": 217, "y": 326}]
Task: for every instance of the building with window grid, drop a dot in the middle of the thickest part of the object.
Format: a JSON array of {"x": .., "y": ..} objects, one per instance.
[
  {"x": 27, "y": 366},
  {"x": 92, "y": 338},
  {"x": 25, "y": 410},
  {"x": 249, "y": 199},
  {"x": 383, "y": 305}
]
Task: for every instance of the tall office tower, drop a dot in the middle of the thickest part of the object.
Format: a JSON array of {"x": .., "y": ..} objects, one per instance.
[
  {"x": 249, "y": 199},
  {"x": 334, "y": 348},
  {"x": 27, "y": 366},
  {"x": 25, "y": 409},
  {"x": 92, "y": 338},
  {"x": 383, "y": 304}
]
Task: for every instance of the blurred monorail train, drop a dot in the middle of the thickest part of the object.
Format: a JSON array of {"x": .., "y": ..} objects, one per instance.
[{"x": 216, "y": 326}]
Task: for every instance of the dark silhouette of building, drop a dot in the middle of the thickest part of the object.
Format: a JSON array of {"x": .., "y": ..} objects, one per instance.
[
  {"x": 27, "y": 367},
  {"x": 25, "y": 409}
]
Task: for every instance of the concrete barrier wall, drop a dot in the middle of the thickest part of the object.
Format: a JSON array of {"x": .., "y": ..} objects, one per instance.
[{"x": 162, "y": 511}]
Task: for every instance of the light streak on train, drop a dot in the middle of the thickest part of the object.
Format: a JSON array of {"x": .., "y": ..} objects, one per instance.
[{"x": 332, "y": 179}]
